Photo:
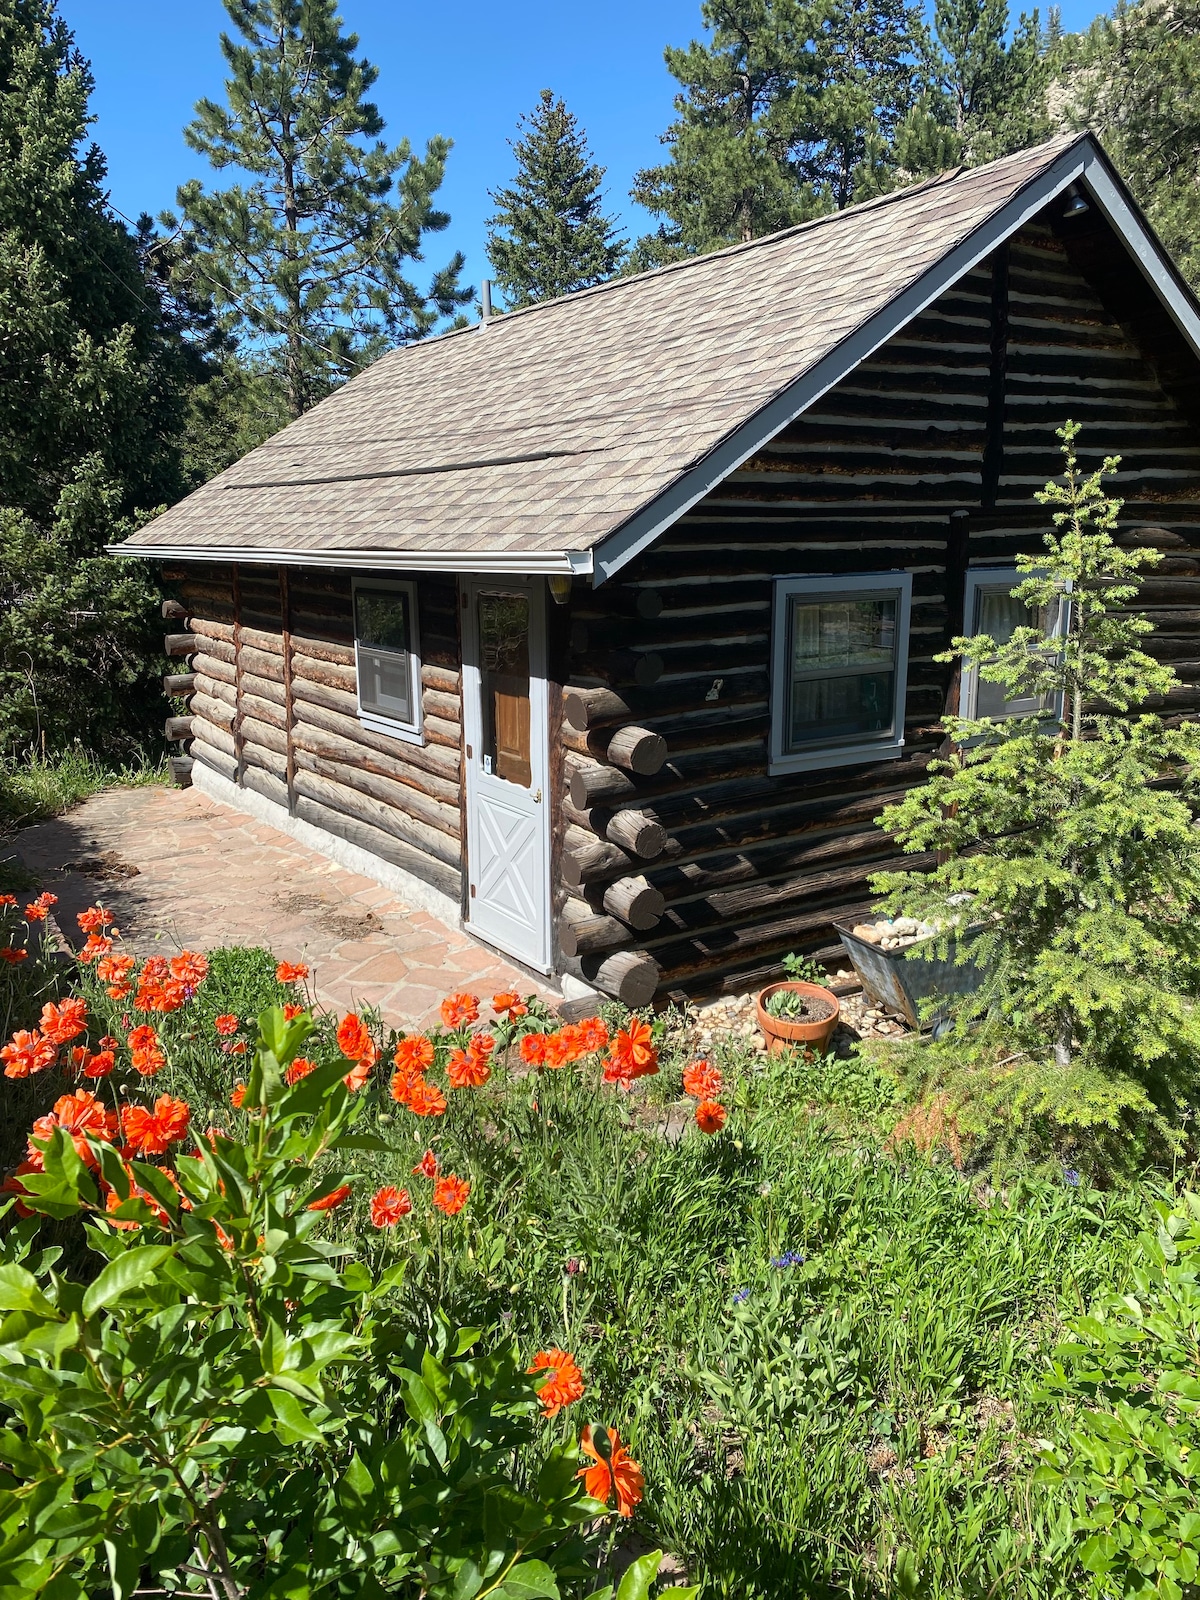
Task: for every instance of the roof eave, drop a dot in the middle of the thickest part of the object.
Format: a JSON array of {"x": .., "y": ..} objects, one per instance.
[
  {"x": 511, "y": 563},
  {"x": 1082, "y": 162}
]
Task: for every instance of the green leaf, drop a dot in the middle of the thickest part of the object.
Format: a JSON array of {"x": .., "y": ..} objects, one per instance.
[
  {"x": 124, "y": 1566},
  {"x": 530, "y": 1580},
  {"x": 128, "y": 1271},
  {"x": 287, "y": 1408},
  {"x": 19, "y": 1292},
  {"x": 635, "y": 1585}
]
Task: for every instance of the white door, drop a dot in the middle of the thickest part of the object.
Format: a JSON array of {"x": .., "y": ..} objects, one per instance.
[{"x": 504, "y": 725}]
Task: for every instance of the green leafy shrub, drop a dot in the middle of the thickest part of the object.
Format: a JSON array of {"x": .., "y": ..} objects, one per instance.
[
  {"x": 1129, "y": 1373},
  {"x": 1066, "y": 840}
]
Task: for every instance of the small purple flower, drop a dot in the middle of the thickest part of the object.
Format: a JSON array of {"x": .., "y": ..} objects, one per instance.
[
  {"x": 1071, "y": 1177},
  {"x": 789, "y": 1258},
  {"x": 740, "y": 1295}
]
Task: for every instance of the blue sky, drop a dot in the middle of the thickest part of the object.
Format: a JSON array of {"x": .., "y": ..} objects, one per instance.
[{"x": 463, "y": 69}]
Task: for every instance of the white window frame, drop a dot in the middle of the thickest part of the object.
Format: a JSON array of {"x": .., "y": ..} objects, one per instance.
[
  {"x": 410, "y": 732},
  {"x": 846, "y": 752},
  {"x": 1007, "y": 577}
]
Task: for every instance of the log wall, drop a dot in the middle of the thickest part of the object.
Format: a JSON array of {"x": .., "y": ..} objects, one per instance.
[
  {"x": 273, "y": 706},
  {"x": 926, "y": 458}
]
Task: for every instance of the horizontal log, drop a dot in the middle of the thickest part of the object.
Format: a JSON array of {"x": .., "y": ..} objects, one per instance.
[
  {"x": 630, "y": 976},
  {"x": 634, "y": 830},
  {"x": 208, "y": 755},
  {"x": 438, "y": 731},
  {"x": 317, "y": 670},
  {"x": 211, "y": 650},
  {"x": 173, "y": 611},
  {"x": 581, "y": 931},
  {"x": 421, "y": 758},
  {"x": 435, "y": 677},
  {"x": 180, "y": 644},
  {"x": 585, "y": 858},
  {"x": 436, "y": 703},
  {"x": 616, "y": 667},
  {"x": 425, "y": 823},
  {"x": 635, "y": 901},
  {"x": 208, "y": 629},
  {"x": 215, "y": 689},
  {"x": 322, "y": 694},
  {"x": 268, "y": 784},
  {"x": 179, "y": 683},
  {"x": 439, "y": 790},
  {"x": 618, "y": 599},
  {"x": 180, "y": 771},
  {"x": 257, "y": 734},
  {"x": 220, "y": 713},
  {"x": 592, "y": 783},
  {"x": 212, "y": 734},
  {"x": 373, "y": 826},
  {"x": 584, "y": 708},
  {"x": 261, "y": 662},
  {"x": 384, "y": 819},
  {"x": 269, "y": 689},
  {"x": 323, "y": 649},
  {"x": 178, "y": 727},
  {"x": 637, "y": 750},
  {"x": 268, "y": 640},
  {"x": 255, "y": 709}
]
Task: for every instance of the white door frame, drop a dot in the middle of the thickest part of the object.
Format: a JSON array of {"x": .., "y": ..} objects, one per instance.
[{"x": 477, "y": 783}]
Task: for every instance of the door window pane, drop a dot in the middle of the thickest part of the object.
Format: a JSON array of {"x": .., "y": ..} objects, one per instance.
[
  {"x": 843, "y": 681},
  {"x": 383, "y": 632},
  {"x": 504, "y": 686}
]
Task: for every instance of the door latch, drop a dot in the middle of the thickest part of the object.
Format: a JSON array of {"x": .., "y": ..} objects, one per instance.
[{"x": 537, "y": 799}]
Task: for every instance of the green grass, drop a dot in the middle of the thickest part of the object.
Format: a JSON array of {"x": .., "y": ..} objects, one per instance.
[{"x": 37, "y": 788}]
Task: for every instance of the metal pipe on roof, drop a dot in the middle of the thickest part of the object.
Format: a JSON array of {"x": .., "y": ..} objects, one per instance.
[{"x": 485, "y": 298}]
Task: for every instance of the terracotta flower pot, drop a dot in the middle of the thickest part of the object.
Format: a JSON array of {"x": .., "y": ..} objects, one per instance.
[{"x": 784, "y": 1032}]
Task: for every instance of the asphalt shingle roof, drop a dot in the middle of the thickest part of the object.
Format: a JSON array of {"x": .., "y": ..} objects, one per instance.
[{"x": 551, "y": 427}]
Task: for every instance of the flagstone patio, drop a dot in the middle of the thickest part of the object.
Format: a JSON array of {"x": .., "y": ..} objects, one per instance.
[{"x": 181, "y": 870}]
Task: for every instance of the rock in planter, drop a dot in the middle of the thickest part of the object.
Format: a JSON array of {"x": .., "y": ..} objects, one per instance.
[{"x": 812, "y": 1027}]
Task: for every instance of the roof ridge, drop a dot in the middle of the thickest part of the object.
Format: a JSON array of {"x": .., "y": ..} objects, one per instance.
[{"x": 876, "y": 202}]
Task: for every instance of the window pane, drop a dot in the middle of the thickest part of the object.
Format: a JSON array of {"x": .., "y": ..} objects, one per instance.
[
  {"x": 842, "y": 633},
  {"x": 385, "y": 667},
  {"x": 999, "y": 615},
  {"x": 504, "y": 682},
  {"x": 830, "y": 710}
]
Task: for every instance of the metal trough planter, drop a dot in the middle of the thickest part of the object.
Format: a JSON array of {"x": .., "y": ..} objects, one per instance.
[{"x": 900, "y": 980}]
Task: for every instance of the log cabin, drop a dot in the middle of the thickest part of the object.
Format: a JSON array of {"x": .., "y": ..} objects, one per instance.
[{"x": 607, "y": 627}]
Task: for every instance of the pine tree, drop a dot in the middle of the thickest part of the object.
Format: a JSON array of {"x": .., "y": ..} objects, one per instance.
[
  {"x": 549, "y": 234},
  {"x": 789, "y": 110},
  {"x": 93, "y": 382},
  {"x": 1134, "y": 78},
  {"x": 992, "y": 89},
  {"x": 1077, "y": 867},
  {"x": 307, "y": 260}
]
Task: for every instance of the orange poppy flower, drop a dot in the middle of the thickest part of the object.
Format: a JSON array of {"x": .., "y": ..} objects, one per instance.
[
  {"x": 45, "y": 900},
  {"x": 354, "y": 1040},
  {"x": 414, "y": 1053},
  {"x": 290, "y": 1011},
  {"x": 97, "y": 945},
  {"x": 619, "y": 1478},
  {"x": 631, "y": 1054},
  {"x": 468, "y": 1070},
  {"x": 27, "y": 1053},
  {"x": 388, "y": 1205},
  {"x": 226, "y": 1024},
  {"x": 35, "y": 913},
  {"x": 564, "y": 1385},
  {"x": 327, "y": 1202},
  {"x": 702, "y": 1081},
  {"x": 558, "y": 1050},
  {"x": 509, "y": 1004},
  {"x": 300, "y": 1068},
  {"x": 12, "y": 953},
  {"x": 98, "y": 1065},
  {"x": 427, "y": 1167},
  {"x": 426, "y": 1099},
  {"x": 359, "y": 1072},
  {"x": 533, "y": 1049},
  {"x": 112, "y": 1201},
  {"x": 458, "y": 1010},
  {"x": 7, "y": 900},
  {"x": 450, "y": 1194},
  {"x": 710, "y": 1116},
  {"x": 404, "y": 1081},
  {"x": 189, "y": 968},
  {"x": 93, "y": 919},
  {"x": 593, "y": 1035},
  {"x": 143, "y": 1037},
  {"x": 238, "y": 1096},
  {"x": 82, "y": 1116},
  {"x": 152, "y": 1133},
  {"x": 111, "y": 969},
  {"x": 291, "y": 972}
]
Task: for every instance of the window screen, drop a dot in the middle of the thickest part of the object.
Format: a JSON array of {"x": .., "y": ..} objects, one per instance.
[
  {"x": 386, "y": 649},
  {"x": 992, "y": 609}
]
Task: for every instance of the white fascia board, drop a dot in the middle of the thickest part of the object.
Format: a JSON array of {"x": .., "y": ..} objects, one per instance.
[
  {"x": 1074, "y": 164},
  {"x": 507, "y": 562}
]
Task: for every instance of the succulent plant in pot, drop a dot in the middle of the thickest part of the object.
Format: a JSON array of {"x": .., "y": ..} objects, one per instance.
[{"x": 800, "y": 1010}]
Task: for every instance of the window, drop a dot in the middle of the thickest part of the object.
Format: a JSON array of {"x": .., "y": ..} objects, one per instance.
[
  {"x": 989, "y": 607},
  {"x": 388, "y": 654},
  {"x": 839, "y": 670},
  {"x": 504, "y": 624}
]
